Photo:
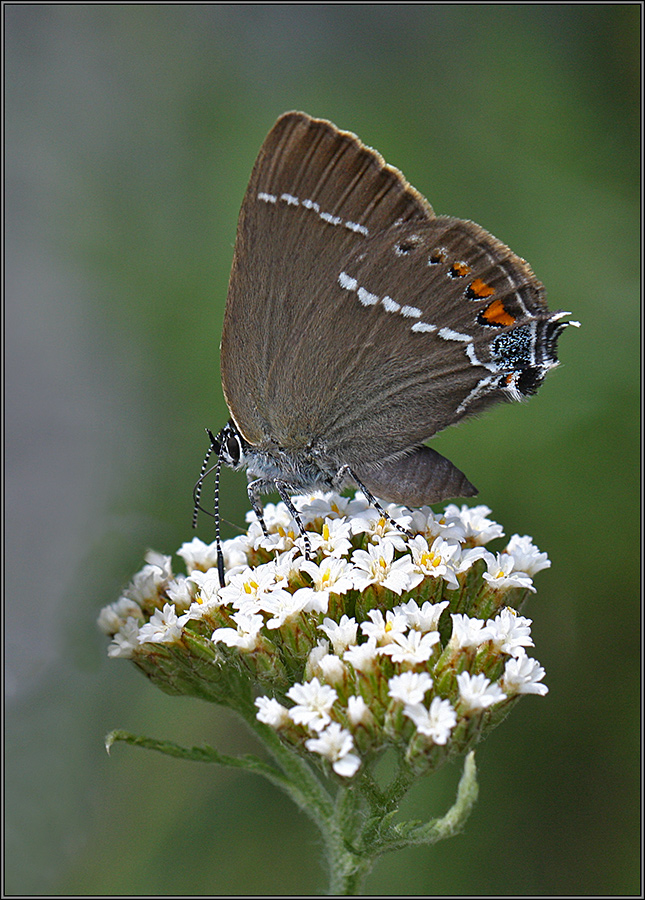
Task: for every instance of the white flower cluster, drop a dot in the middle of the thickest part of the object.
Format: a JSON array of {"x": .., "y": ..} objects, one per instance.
[{"x": 372, "y": 618}]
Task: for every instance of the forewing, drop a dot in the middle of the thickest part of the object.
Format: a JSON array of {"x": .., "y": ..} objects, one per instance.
[
  {"x": 315, "y": 196},
  {"x": 357, "y": 322}
]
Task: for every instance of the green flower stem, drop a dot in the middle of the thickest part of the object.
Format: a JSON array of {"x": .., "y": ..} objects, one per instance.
[
  {"x": 404, "y": 834},
  {"x": 353, "y": 840},
  {"x": 302, "y": 785},
  {"x": 203, "y": 753}
]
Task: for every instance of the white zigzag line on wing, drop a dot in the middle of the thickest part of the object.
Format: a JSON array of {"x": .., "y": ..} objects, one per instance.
[
  {"x": 291, "y": 200},
  {"x": 367, "y": 298}
]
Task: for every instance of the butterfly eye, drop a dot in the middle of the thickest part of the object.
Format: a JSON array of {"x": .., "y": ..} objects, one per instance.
[{"x": 231, "y": 450}]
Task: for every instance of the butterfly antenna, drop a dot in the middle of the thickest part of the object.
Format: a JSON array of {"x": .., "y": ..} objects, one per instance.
[
  {"x": 215, "y": 447},
  {"x": 220, "y": 555},
  {"x": 197, "y": 490}
]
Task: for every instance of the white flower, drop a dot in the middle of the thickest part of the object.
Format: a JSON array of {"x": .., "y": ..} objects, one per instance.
[
  {"x": 384, "y": 630},
  {"x": 332, "y": 576},
  {"x": 438, "y": 561},
  {"x": 477, "y": 528},
  {"x": 409, "y": 687},
  {"x": 334, "y": 539},
  {"x": 336, "y": 744},
  {"x": 468, "y": 632},
  {"x": 500, "y": 573},
  {"x": 399, "y": 514},
  {"x": 252, "y": 537},
  {"x": 271, "y": 712},
  {"x": 234, "y": 551},
  {"x": 283, "y": 530},
  {"x": 332, "y": 668},
  {"x": 113, "y": 617},
  {"x": 313, "y": 703},
  {"x": 412, "y": 648},
  {"x": 362, "y": 656},
  {"x": 275, "y": 515},
  {"x": 198, "y": 555},
  {"x": 125, "y": 641},
  {"x": 330, "y": 505},
  {"x": 325, "y": 665},
  {"x": 312, "y": 601},
  {"x": 476, "y": 692},
  {"x": 521, "y": 676},
  {"x": 163, "y": 628},
  {"x": 358, "y": 712},
  {"x": 179, "y": 592},
  {"x": 286, "y": 566},
  {"x": 526, "y": 556},
  {"x": 425, "y": 618},
  {"x": 375, "y": 566},
  {"x": 315, "y": 655},
  {"x": 280, "y": 541},
  {"x": 341, "y": 634},
  {"x": 431, "y": 526},
  {"x": 159, "y": 561},
  {"x": 470, "y": 556},
  {"x": 208, "y": 586},
  {"x": 436, "y": 722},
  {"x": 246, "y": 588},
  {"x": 151, "y": 580},
  {"x": 245, "y": 636},
  {"x": 381, "y": 529},
  {"x": 510, "y": 633},
  {"x": 282, "y": 606}
]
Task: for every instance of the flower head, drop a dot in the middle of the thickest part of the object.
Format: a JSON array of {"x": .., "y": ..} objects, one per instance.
[{"x": 379, "y": 639}]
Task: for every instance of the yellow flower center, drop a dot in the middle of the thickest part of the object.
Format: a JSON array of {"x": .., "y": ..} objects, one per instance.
[
  {"x": 325, "y": 531},
  {"x": 430, "y": 559}
]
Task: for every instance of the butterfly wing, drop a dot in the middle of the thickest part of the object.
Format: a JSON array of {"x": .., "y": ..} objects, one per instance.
[{"x": 359, "y": 323}]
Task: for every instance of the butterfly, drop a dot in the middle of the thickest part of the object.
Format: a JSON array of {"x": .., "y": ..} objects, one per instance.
[{"x": 358, "y": 324}]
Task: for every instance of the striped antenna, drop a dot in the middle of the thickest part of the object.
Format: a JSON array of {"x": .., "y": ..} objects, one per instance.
[
  {"x": 197, "y": 490},
  {"x": 220, "y": 555},
  {"x": 215, "y": 447}
]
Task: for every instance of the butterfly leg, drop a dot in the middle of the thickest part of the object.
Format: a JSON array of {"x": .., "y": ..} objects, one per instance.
[
  {"x": 346, "y": 472},
  {"x": 254, "y": 489},
  {"x": 283, "y": 489},
  {"x": 266, "y": 485}
]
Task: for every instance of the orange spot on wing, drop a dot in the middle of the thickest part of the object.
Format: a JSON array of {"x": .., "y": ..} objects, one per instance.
[
  {"x": 496, "y": 314},
  {"x": 479, "y": 290},
  {"x": 459, "y": 269}
]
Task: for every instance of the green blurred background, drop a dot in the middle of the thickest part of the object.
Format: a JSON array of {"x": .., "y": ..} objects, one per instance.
[{"x": 130, "y": 135}]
